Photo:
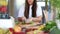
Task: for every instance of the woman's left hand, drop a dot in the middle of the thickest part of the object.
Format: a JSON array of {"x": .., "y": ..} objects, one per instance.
[{"x": 29, "y": 20}]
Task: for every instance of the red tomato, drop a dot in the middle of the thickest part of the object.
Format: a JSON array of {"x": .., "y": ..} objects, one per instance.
[
  {"x": 46, "y": 33},
  {"x": 13, "y": 32},
  {"x": 18, "y": 33},
  {"x": 11, "y": 29}
]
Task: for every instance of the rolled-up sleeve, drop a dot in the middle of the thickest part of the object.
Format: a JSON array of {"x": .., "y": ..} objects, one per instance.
[
  {"x": 39, "y": 11},
  {"x": 21, "y": 12}
]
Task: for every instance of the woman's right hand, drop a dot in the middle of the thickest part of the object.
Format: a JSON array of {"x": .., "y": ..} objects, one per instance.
[{"x": 21, "y": 19}]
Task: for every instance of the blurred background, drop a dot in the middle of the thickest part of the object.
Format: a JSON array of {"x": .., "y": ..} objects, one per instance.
[
  {"x": 14, "y": 5},
  {"x": 17, "y": 4}
]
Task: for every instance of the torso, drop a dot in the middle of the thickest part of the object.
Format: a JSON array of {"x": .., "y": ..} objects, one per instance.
[{"x": 22, "y": 8}]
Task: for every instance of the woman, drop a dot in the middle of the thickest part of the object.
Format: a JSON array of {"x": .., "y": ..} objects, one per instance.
[{"x": 30, "y": 10}]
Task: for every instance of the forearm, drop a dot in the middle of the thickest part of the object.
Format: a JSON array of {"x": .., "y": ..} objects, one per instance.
[{"x": 37, "y": 19}]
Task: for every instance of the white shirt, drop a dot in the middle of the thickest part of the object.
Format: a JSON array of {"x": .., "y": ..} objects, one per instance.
[{"x": 22, "y": 8}]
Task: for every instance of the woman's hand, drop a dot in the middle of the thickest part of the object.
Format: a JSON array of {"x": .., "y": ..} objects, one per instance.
[
  {"x": 28, "y": 20},
  {"x": 37, "y": 19},
  {"x": 21, "y": 18}
]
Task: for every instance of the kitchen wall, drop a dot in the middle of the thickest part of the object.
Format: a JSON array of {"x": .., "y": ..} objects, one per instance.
[
  {"x": 17, "y": 4},
  {"x": 11, "y": 8}
]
